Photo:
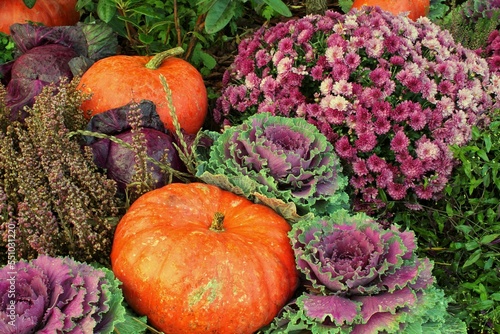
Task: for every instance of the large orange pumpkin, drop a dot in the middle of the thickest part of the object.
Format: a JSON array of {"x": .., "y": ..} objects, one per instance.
[
  {"x": 198, "y": 259},
  {"x": 118, "y": 80},
  {"x": 416, "y": 8},
  {"x": 48, "y": 12}
]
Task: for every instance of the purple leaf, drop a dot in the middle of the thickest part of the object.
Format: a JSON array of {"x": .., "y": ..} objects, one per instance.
[
  {"x": 385, "y": 302},
  {"x": 400, "y": 278},
  {"x": 338, "y": 309}
]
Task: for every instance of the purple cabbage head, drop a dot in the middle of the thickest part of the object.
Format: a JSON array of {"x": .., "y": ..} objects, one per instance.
[
  {"x": 47, "y": 55},
  {"x": 279, "y": 157},
  {"x": 119, "y": 160},
  {"x": 35, "y": 69},
  {"x": 58, "y": 295},
  {"x": 115, "y": 152}
]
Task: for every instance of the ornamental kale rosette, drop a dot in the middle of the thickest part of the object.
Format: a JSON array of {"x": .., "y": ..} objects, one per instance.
[
  {"x": 362, "y": 278},
  {"x": 389, "y": 93},
  {"x": 285, "y": 160},
  {"x": 58, "y": 295}
]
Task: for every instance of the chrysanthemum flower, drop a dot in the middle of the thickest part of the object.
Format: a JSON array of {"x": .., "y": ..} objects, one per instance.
[{"x": 374, "y": 84}]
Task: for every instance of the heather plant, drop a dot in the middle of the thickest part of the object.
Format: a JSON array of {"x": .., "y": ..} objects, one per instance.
[
  {"x": 53, "y": 194},
  {"x": 389, "y": 93}
]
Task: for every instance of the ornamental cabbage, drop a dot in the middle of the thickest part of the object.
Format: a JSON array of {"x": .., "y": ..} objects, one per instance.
[
  {"x": 58, "y": 295},
  {"x": 281, "y": 158},
  {"x": 362, "y": 278},
  {"x": 117, "y": 151},
  {"x": 46, "y": 55}
]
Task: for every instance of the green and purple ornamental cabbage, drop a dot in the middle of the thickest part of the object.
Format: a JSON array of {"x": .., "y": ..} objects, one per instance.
[
  {"x": 362, "y": 278},
  {"x": 281, "y": 158},
  {"x": 474, "y": 10},
  {"x": 58, "y": 295}
]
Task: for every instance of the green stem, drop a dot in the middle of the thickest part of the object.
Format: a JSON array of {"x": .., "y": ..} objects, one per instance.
[
  {"x": 218, "y": 222},
  {"x": 158, "y": 59}
]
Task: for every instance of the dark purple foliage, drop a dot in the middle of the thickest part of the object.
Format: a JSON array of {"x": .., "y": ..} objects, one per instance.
[
  {"x": 33, "y": 70},
  {"x": 119, "y": 161},
  {"x": 46, "y": 55}
]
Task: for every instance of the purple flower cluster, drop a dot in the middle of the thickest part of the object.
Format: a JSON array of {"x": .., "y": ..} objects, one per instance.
[
  {"x": 492, "y": 52},
  {"x": 390, "y": 94}
]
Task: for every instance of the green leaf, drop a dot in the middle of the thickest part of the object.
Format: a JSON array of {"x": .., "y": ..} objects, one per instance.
[
  {"x": 483, "y": 155},
  {"x": 146, "y": 39},
  {"x": 449, "y": 210},
  {"x": 487, "y": 142},
  {"x": 482, "y": 305},
  {"x": 489, "y": 238},
  {"x": 147, "y": 11},
  {"x": 219, "y": 15},
  {"x": 345, "y": 5},
  {"x": 473, "y": 258},
  {"x": 279, "y": 7},
  {"x": 114, "y": 300},
  {"x": 495, "y": 296},
  {"x": 471, "y": 245},
  {"x": 208, "y": 61},
  {"x": 467, "y": 168},
  {"x": 132, "y": 324},
  {"x": 29, "y": 3},
  {"x": 475, "y": 132},
  {"x": 106, "y": 10},
  {"x": 474, "y": 184},
  {"x": 465, "y": 229}
]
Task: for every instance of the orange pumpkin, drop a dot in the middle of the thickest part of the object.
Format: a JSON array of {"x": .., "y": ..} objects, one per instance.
[
  {"x": 48, "y": 12},
  {"x": 118, "y": 80},
  {"x": 198, "y": 259},
  {"x": 416, "y": 8}
]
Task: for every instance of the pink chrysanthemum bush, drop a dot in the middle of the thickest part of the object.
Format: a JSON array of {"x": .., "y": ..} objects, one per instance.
[
  {"x": 361, "y": 278},
  {"x": 390, "y": 94}
]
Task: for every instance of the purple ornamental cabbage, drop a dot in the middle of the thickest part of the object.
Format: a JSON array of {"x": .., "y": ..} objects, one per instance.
[
  {"x": 281, "y": 158},
  {"x": 58, "y": 295},
  {"x": 115, "y": 153},
  {"x": 360, "y": 278},
  {"x": 473, "y": 10},
  {"x": 49, "y": 54},
  {"x": 119, "y": 161}
]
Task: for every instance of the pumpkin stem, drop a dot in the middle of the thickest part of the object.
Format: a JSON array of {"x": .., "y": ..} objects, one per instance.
[
  {"x": 158, "y": 59},
  {"x": 218, "y": 222}
]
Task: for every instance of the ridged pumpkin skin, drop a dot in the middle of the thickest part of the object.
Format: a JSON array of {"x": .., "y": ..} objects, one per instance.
[
  {"x": 118, "y": 80},
  {"x": 49, "y": 12},
  {"x": 416, "y": 8},
  {"x": 188, "y": 278}
]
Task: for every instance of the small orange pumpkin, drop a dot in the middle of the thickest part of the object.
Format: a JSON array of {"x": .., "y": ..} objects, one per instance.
[
  {"x": 197, "y": 259},
  {"x": 119, "y": 80},
  {"x": 416, "y": 8},
  {"x": 48, "y": 12}
]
